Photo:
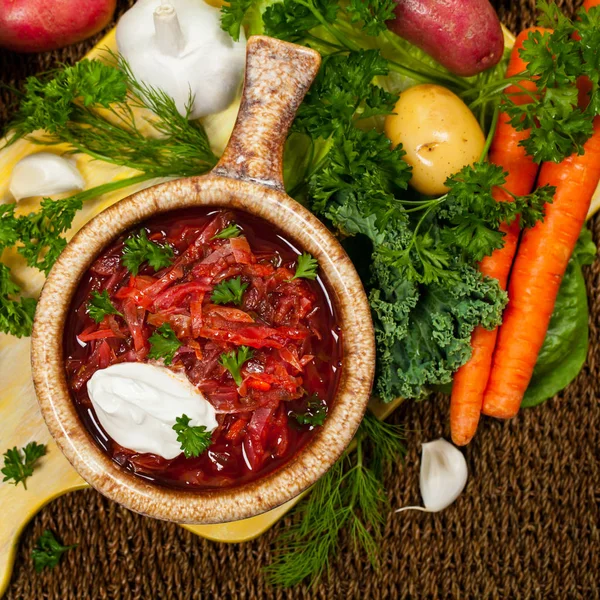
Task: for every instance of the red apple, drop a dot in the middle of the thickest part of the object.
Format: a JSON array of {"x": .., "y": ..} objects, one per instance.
[{"x": 40, "y": 25}]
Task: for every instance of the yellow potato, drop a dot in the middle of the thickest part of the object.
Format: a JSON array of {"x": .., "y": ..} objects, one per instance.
[{"x": 438, "y": 132}]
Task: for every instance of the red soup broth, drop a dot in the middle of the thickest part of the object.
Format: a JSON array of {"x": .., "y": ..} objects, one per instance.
[{"x": 290, "y": 324}]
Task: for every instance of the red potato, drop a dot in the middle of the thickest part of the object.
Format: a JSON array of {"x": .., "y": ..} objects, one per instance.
[
  {"x": 463, "y": 35},
  {"x": 40, "y": 25}
]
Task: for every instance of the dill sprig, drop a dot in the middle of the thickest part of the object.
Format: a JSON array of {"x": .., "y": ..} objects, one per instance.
[
  {"x": 90, "y": 106},
  {"x": 350, "y": 495}
]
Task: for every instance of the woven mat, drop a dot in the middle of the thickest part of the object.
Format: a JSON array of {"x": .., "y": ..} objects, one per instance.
[{"x": 527, "y": 525}]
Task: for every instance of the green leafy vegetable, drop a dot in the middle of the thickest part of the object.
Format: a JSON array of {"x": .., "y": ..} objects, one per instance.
[
  {"x": 229, "y": 291},
  {"x": 373, "y": 14},
  {"x": 307, "y": 267},
  {"x": 234, "y": 361},
  {"x": 163, "y": 344},
  {"x": 556, "y": 60},
  {"x": 48, "y": 551},
  {"x": 565, "y": 347},
  {"x": 349, "y": 496},
  {"x": 231, "y": 231},
  {"x": 16, "y": 312},
  {"x": 100, "y": 305},
  {"x": 194, "y": 439},
  {"x": 38, "y": 235},
  {"x": 344, "y": 92},
  {"x": 138, "y": 249},
  {"x": 64, "y": 103},
  {"x": 315, "y": 413},
  {"x": 19, "y": 465},
  {"x": 232, "y": 16},
  {"x": 331, "y": 27}
]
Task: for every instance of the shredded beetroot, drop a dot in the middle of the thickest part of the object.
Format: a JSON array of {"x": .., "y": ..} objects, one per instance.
[{"x": 288, "y": 323}]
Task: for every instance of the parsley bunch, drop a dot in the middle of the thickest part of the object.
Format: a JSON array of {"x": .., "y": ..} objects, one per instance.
[{"x": 555, "y": 61}]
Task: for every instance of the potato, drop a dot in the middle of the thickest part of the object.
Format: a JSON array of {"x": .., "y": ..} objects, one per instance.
[
  {"x": 438, "y": 132},
  {"x": 463, "y": 35}
]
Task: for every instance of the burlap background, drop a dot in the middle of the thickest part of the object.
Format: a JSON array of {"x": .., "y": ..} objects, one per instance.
[{"x": 527, "y": 525}]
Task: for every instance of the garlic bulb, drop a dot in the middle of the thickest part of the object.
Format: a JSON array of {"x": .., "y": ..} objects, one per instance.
[
  {"x": 44, "y": 174},
  {"x": 178, "y": 46},
  {"x": 443, "y": 475}
]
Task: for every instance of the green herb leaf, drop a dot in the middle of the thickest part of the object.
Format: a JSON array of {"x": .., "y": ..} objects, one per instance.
[
  {"x": 138, "y": 249},
  {"x": 372, "y": 13},
  {"x": 18, "y": 466},
  {"x": 231, "y": 231},
  {"x": 40, "y": 232},
  {"x": 100, "y": 305},
  {"x": 475, "y": 215},
  {"x": 343, "y": 92},
  {"x": 64, "y": 104},
  {"x": 229, "y": 291},
  {"x": 163, "y": 344},
  {"x": 307, "y": 267},
  {"x": 48, "y": 551},
  {"x": 16, "y": 312},
  {"x": 232, "y": 16},
  {"x": 315, "y": 413},
  {"x": 234, "y": 361},
  {"x": 290, "y": 20},
  {"x": 194, "y": 439},
  {"x": 556, "y": 60},
  {"x": 349, "y": 496}
]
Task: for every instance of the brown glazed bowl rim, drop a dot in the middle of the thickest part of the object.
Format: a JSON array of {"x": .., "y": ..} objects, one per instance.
[{"x": 218, "y": 505}]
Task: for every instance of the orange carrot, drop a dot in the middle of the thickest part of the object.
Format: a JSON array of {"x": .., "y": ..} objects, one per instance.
[
  {"x": 471, "y": 379},
  {"x": 541, "y": 262}
]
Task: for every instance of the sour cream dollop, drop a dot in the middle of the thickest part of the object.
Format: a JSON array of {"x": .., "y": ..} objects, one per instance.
[{"x": 137, "y": 405}]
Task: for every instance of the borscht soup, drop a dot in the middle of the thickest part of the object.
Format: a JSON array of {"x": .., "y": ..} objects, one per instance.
[{"x": 201, "y": 349}]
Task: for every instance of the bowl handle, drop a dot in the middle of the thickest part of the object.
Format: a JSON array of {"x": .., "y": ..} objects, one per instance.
[{"x": 278, "y": 75}]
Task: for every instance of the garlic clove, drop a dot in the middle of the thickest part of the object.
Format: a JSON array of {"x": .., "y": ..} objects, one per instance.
[
  {"x": 44, "y": 174},
  {"x": 443, "y": 475}
]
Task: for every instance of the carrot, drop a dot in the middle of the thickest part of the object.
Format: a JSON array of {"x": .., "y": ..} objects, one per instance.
[
  {"x": 537, "y": 273},
  {"x": 471, "y": 379}
]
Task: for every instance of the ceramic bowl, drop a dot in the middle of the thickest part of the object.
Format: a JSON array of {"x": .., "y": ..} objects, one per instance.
[{"x": 248, "y": 177}]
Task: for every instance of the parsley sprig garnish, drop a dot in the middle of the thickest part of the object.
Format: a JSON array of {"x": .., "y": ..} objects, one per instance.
[
  {"x": 164, "y": 344},
  {"x": 314, "y": 414},
  {"x": 100, "y": 305},
  {"x": 19, "y": 465},
  {"x": 231, "y": 231},
  {"x": 306, "y": 267},
  {"x": 194, "y": 439},
  {"x": 229, "y": 291},
  {"x": 138, "y": 249},
  {"x": 234, "y": 361},
  {"x": 48, "y": 551}
]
